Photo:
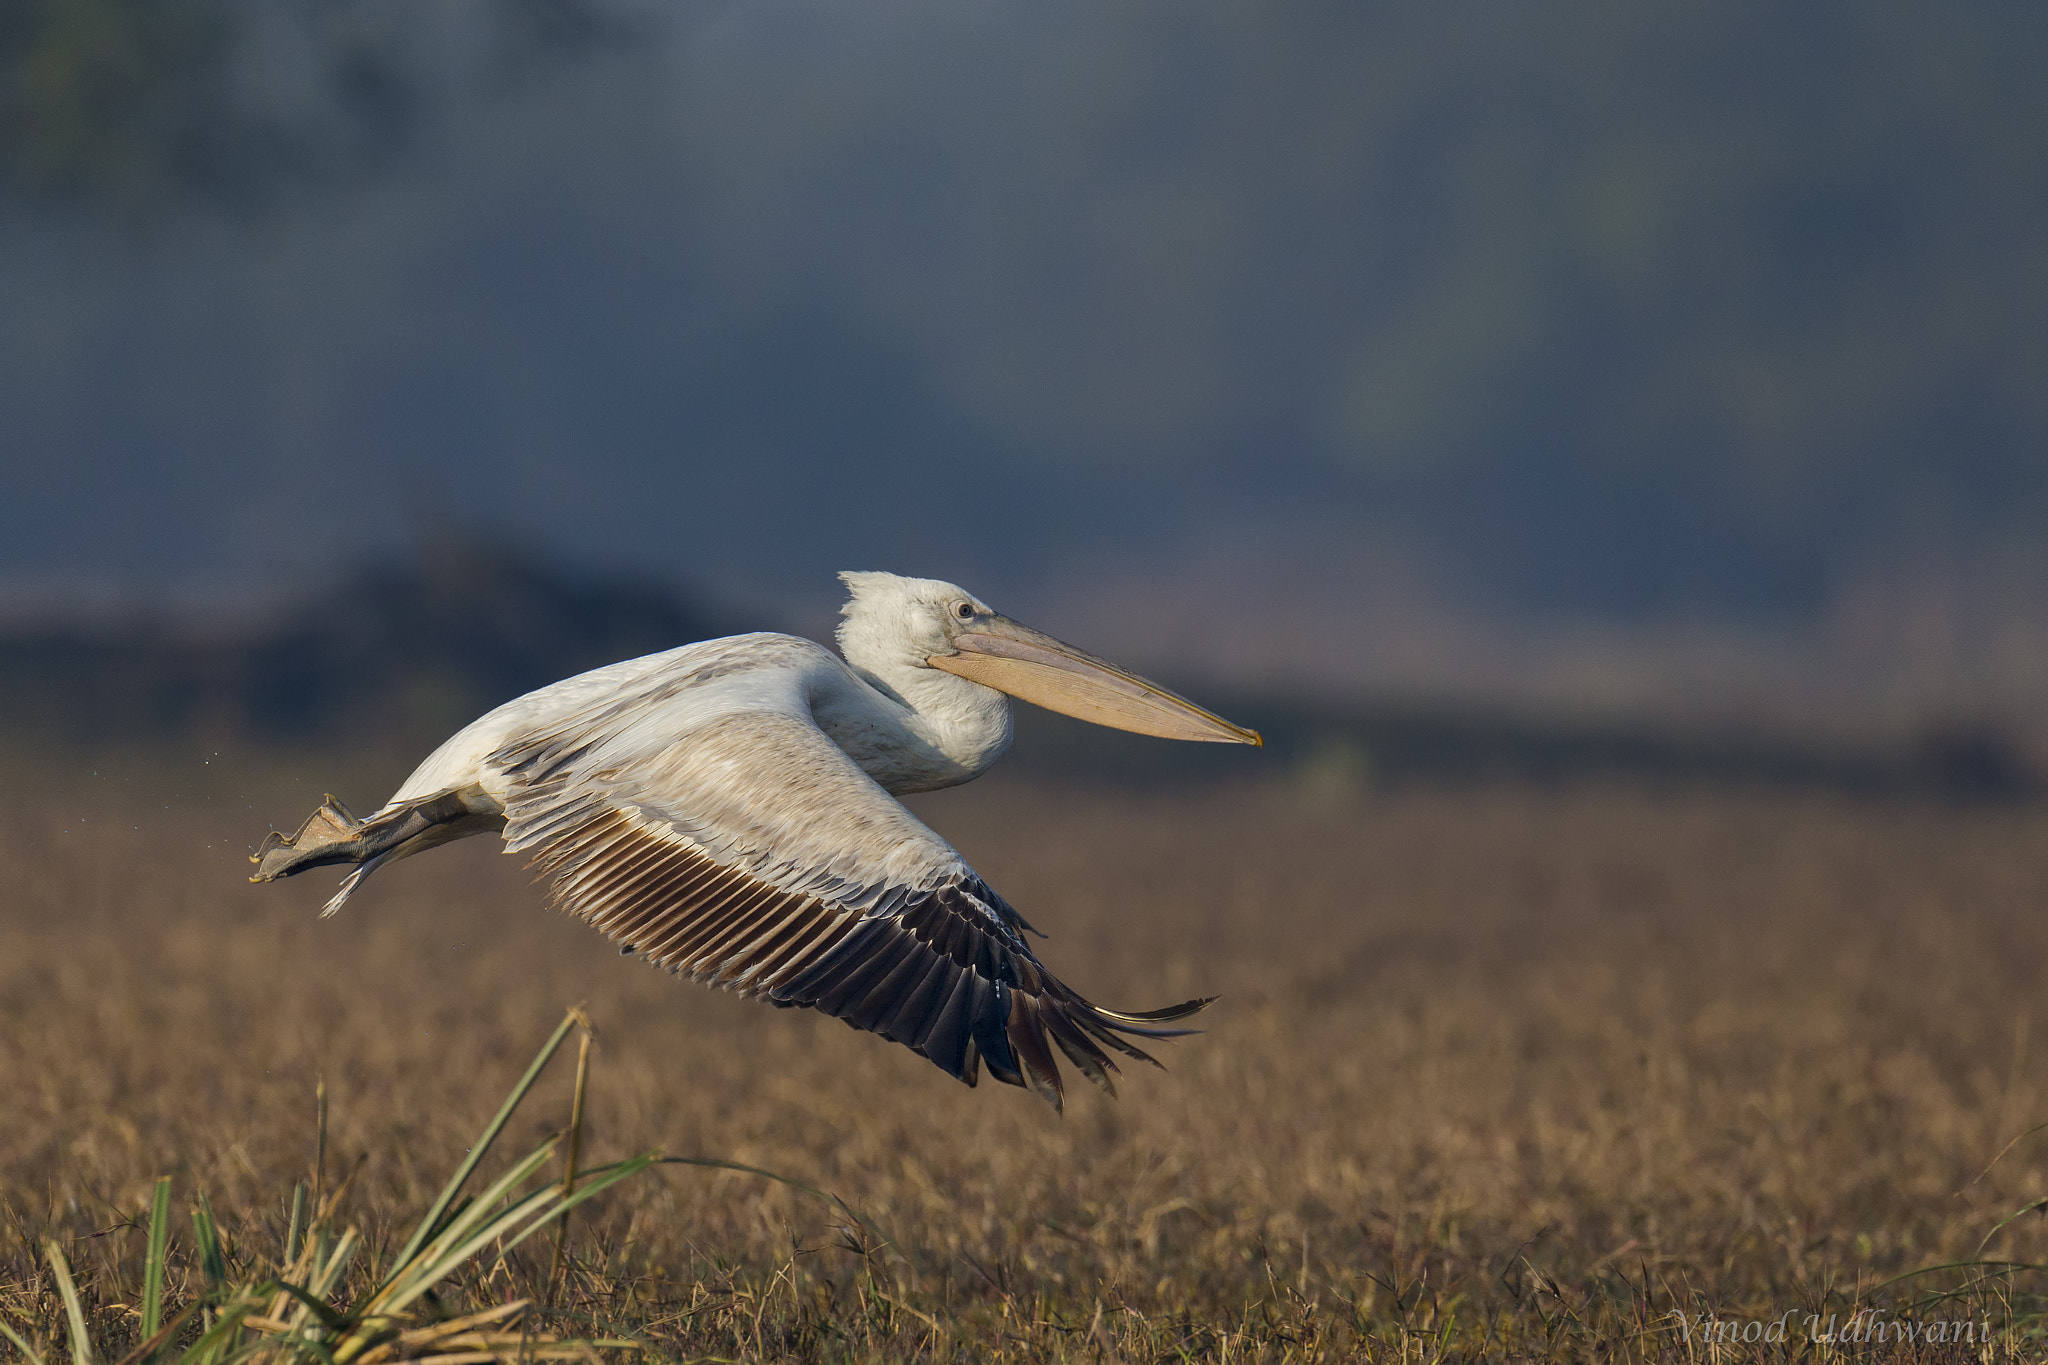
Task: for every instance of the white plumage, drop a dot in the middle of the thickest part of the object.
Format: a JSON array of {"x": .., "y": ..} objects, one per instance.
[{"x": 725, "y": 810}]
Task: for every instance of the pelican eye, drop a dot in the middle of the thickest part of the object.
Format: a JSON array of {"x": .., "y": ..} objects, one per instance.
[{"x": 964, "y": 610}]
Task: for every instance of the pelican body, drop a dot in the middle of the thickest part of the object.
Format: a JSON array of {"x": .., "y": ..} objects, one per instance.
[{"x": 726, "y": 810}]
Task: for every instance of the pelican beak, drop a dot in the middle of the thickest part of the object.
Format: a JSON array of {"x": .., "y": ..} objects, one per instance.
[{"x": 998, "y": 652}]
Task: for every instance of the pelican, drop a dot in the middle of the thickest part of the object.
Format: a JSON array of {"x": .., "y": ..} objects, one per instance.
[{"x": 725, "y": 810}]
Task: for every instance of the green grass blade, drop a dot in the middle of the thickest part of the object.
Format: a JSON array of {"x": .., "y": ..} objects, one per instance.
[
  {"x": 153, "y": 1268},
  {"x": 28, "y": 1352},
  {"x": 208, "y": 1234},
  {"x": 327, "y": 1272},
  {"x": 214, "y": 1346},
  {"x": 266, "y": 1348},
  {"x": 533, "y": 1207},
  {"x": 597, "y": 1181},
  {"x": 481, "y": 1209},
  {"x": 429, "y": 1226},
  {"x": 151, "y": 1345},
  {"x": 316, "y": 1305},
  {"x": 1956, "y": 1265},
  {"x": 291, "y": 1235},
  {"x": 81, "y": 1344},
  {"x": 436, "y": 1267},
  {"x": 2035, "y": 1207},
  {"x": 432, "y": 1262},
  {"x": 443, "y": 1258}
]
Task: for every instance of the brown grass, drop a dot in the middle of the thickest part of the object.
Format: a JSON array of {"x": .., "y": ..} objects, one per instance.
[{"x": 1499, "y": 1073}]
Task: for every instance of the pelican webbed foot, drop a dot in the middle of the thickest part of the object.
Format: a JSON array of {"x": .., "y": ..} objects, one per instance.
[{"x": 330, "y": 835}]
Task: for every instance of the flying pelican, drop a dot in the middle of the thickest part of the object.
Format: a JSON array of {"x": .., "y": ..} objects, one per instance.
[{"x": 724, "y": 810}]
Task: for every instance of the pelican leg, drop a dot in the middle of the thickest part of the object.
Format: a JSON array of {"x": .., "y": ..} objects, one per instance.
[{"x": 332, "y": 835}]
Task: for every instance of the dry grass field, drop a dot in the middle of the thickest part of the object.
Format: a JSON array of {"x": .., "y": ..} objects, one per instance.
[{"x": 1593, "y": 1073}]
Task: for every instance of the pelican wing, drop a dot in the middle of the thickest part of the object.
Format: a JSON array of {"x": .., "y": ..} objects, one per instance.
[{"x": 752, "y": 854}]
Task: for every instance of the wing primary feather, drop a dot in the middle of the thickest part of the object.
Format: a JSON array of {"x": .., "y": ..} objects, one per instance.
[
  {"x": 1167, "y": 1015},
  {"x": 909, "y": 1021},
  {"x": 1026, "y": 975},
  {"x": 824, "y": 972},
  {"x": 882, "y": 959},
  {"x": 948, "y": 1039},
  {"x": 1081, "y": 1050},
  {"x": 1027, "y": 1040},
  {"x": 1104, "y": 1035},
  {"x": 991, "y": 957},
  {"x": 988, "y": 1014},
  {"x": 881, "y": 1000}
]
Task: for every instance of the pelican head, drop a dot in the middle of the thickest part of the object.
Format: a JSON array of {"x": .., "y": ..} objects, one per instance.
[{"x": 893, "y": 622}]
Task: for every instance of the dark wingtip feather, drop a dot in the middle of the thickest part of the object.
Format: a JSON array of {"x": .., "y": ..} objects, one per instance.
[
  {"x": 1165, "y": 1016},
  {"x": 1092, "y": 1061},
  {"x": 1027, "y": 1039},
  {"x": 1139, "y": 1024}
]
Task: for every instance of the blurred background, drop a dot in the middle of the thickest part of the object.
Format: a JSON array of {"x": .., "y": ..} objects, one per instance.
[{"x": 1522, "y": 387}]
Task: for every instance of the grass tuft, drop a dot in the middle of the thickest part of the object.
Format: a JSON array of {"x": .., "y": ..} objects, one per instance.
[{"x": 302, "y": 1310}]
